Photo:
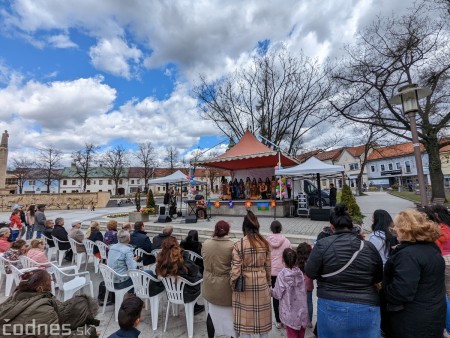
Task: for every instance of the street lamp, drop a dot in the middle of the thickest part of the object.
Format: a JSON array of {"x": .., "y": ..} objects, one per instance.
[{"x": 409, "y": 96}]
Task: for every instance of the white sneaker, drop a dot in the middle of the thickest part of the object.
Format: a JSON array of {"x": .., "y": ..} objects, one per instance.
[{"x": 278, "y": 325}]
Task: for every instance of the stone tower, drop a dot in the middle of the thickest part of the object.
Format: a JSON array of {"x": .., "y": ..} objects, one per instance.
[{"x": 3, "y": 161}]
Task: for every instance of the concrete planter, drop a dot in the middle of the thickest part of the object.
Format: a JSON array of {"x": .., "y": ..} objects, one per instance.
[{"x": 137, "y": 217}]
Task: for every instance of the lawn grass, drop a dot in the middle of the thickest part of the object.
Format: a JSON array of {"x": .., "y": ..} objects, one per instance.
[{"x": 406, "y": 195}]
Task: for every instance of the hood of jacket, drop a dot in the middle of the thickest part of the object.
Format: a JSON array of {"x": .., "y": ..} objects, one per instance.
[
  {"x": 293, "y": 277},
  {"x": 276, "y": 240},
  {"x": 20, "y": 301}
]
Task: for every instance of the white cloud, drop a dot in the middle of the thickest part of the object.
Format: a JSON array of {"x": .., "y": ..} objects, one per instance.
[
  {"x": 114, "y": 56},
  {"x": 61, "y": 41}
]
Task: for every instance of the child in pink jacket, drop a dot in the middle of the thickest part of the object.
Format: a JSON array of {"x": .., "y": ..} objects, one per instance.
[{"x": 291, "y": 292}]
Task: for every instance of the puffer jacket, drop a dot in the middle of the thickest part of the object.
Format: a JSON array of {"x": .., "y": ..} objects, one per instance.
[
  {"x": 278, "y": 242},
  {"x": 30, "y": 309},
  {"x": 356, "y": 284}
]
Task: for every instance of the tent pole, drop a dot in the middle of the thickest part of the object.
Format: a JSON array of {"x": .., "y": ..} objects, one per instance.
[{"x": 319, "y": 191}]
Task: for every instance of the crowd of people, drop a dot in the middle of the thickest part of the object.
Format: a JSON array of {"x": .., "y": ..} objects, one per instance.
[
  {"x": 251, "y": 189},
  {"x": 393, "y": 285}
]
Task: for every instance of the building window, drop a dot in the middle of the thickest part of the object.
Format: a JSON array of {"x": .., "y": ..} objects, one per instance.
[
  {"x": 88, "y": 182},
  {"x": 372, "y": 168},
  {"x": 109, "y": 182},
  {"x": 391, "y": 166},
  {"x": 120, "y": 181},
  {"x": 382, "y": 167},
  {"x": 353, "y": 166},
  {"x": 100, "y": 182},
  {"x": 74, "y": 182},
  {"x": 408, "y": 167},
  {"x": 138, "y": 182},
  {"x": 164, "y": 188},
  {"x": 398, "y": 166},
  {"x": 132, "y": 181},
  {"x": 31, "y": 182},
  {"x": 159, "y": 188},
  {"x": 447, "y": 181},
  {"x": 64, "y": 182}
]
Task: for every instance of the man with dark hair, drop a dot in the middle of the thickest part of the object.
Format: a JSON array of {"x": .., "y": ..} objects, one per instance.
[
  {"x": 333, "y": 195},
  {"x": 139, "y": 239},
  {"x": 129, "y": 317}
]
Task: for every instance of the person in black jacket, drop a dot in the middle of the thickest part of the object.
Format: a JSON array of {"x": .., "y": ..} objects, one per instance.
[
  {"x": 346, "y": 292},
  {"x": 139, "y": 239},
  {"x": 157, "y": 240},
  {"x": 95, "y": 235},
  {"x": 60, "y": 233},
  {"x": 47, "y": 233},
  {"x": 191, "y": 243},
  {"x": 413, "y": 283}
]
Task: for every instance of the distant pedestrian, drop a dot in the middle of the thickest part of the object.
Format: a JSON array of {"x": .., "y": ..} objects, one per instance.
[
  {"x": 39, "y": 220},
  {"x": 333, "y": 195},
  {"x": 291, "y": 292},
  {"x": 30, "y": 221},
  {"x": 92, "y": 206}
]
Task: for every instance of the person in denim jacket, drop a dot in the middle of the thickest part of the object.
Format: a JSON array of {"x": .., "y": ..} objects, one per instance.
[{"x": 121, "y": 259}]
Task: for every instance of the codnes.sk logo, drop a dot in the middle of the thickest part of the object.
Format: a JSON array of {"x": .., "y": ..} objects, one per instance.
[{"x": 8, "y": 329}]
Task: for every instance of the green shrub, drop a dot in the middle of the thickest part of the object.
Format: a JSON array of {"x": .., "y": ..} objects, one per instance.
[
  {"x": 353, "y": 208},
  {"x": 394, "y": 186},
  {"x": 150, "y": 199}
]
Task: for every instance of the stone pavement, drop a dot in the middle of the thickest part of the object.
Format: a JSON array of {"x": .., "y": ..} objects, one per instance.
[{"x": 300, "y": 228}]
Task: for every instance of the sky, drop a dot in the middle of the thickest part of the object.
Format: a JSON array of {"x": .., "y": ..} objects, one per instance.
[{"x": 121, "y": 72}]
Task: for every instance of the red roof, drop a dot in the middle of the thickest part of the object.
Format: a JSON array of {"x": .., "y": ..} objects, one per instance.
[
  {"x": 332, "y": 155},
  {"x": 356, "y": 151},
  {"x": 395, "y": 150},
  {"x": 248, "y": 153}
]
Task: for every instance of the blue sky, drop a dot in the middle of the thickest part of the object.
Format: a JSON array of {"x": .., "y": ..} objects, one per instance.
[{"x": 122, "y": 72}]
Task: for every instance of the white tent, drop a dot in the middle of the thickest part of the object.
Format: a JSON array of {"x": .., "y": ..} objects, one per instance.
[
  {"x": 176, "y": 177},
  {"x": 311, "y": 166}
]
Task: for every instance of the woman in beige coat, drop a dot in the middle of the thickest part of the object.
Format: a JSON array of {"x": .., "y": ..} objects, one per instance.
[
  {"x": 216, "y": 253},
  {"x": 252, "y": 308}
]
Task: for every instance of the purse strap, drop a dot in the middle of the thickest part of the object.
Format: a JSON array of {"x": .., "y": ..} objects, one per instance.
[
  {"x": 242, "y": 253},
  {"x": 355, "y": 254}
]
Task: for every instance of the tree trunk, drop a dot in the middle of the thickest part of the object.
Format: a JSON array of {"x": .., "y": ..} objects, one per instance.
[{"x": 435, "y": 168}]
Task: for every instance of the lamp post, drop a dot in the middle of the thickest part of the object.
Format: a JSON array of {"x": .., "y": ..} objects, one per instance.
[{"x": 408, "y": 96}]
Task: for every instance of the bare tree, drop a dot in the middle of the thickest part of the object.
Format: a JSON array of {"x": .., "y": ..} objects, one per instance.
[
  {"x": 49, "y": 166},
  {"x": 115, "y": 162},
  {"x": 390, "y": 53},
  {"x": 171, "y": 158},
  {"x": 23, "y": 171},
  {"x": 278, "y": 96},
  {"x": 145, "y": 156},
  {"x": 84, "y": 160}
]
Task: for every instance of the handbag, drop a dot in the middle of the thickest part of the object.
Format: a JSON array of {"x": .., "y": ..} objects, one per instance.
[{"x": 240, "y": 281}]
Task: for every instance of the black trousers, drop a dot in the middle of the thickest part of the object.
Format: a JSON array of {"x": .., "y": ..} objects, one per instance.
[{"x": 275, "y": 302}]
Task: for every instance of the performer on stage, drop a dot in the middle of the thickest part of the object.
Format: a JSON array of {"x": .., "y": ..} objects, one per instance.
[
  {"x": 248, "y": 187},
  {"x": 241, "y": 189},
  {"x": 254, "y": 189}
]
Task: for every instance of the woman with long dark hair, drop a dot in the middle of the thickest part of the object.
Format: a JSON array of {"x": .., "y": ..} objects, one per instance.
[
  {"x": 381, "y": 235},
  {"x": 30, "y": 221},
  {"x": 192, "y": 243},
  {"x": 252, "y": 257},
  {"x": 347, "y": 270}
]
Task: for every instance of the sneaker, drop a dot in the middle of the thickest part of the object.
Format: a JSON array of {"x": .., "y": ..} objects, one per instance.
[
  {"x": 198, "y": 309},
  {"x": 278, "y": 325}
]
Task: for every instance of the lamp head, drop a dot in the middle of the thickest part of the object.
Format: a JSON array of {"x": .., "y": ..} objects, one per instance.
[{"x": 408, "y": 96}]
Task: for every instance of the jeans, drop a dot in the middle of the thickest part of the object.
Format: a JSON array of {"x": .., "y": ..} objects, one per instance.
[
  {"x": 309, "y": 300},
  {"x": 29, "y": 233},
  {"x": 14, "y": 234},
  {"x": 341, "y": 319},
  {"x": 38, "y": 234},
  {"x": 124, "y": 284}
]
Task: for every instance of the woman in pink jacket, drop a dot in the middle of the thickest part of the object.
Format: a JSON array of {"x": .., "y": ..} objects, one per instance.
[
  {"x": 291, "y": 292},
  {"x": 278, "y": 242},
  {"x": 37, "y": 252}
]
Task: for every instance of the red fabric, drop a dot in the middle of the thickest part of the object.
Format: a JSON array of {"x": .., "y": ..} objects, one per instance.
[
  {"x": 15, "y": 219},
  {"x": 309, "y": 283},
  {"x": 4, "y": 244},
  {"x": 292, "y": 333},
  {"x": 98, "y": 255},
  {"x": 444, "y": 239}
]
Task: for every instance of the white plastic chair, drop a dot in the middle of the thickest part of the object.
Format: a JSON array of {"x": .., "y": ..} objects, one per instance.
[
  {"x": 50, "y": 250},
  {"x": 89, "y": 245},
  {"x": 193, "y": 256},
  {"x": 70, "y": 283},
  {"x": 140, "y": 253},
  {"x": 60, "y": 252},
  {"x": 9, "y": 276},
  {"x": 108, "y": 277},
  {"x": 174, "y": 290},
  {"x": 141, "y": 281},
  {"x": 103, "y": 248},
  {"x": 77, "y": 256},
  {"x": 156, "y": 253}
]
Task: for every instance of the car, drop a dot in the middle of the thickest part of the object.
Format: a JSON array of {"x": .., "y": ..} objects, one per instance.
[{"x": 313, "y": 194}]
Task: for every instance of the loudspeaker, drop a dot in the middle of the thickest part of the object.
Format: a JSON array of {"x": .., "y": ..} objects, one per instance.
[
  {"x": 191, "y": 219},
  {"x": 164, "y": 219},
  {"x": 162, "y": 210}
]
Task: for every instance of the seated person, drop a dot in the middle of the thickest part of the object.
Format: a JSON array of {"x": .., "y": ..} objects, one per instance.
[
  {"x": 139, "y": 239},
  {"x": 129, "y": 317},
  {"x": 37, "y": 252},
  {"x": 192, "y": 243},
  {"x": 78, "y": 236},
  {"x": 4, "y": 236},
  {"x": 60, "y": 233},
  {"x": 121, "y": 259},
  {"x": 157, "y": 240},
  {"x": 170, "y": 262},
  {"x": 47, "y": 233},
  {"x": 201, "y": 208},
  {"x": 16, "y": 250},
  {"x": 95, "y": 235},
  {"x": 110, "y": 237}
]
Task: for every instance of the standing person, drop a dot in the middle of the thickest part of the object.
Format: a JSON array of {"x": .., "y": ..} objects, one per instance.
[
  {"x": 333, "y": 195},
  {"x": 278, "y": 243},
  {"x": 346, "y": 269},
  {"x": 30, "y": 221},
  {"x": 303, "y": 252},
  {"x": 23, "y": 219},
  {"x": 443, "y": 218},
  {"x": 39, "y": 220},
  {"x": 15, "y": 225},
  {"x": 291, "y": 292},
  {"x": 413, "y": 282},
  {"x": 92, "y": 206},
  {"x": 78, "y": 236},
  {"x": 216, "y": 254},
  {"x": 251, "y": 257},
  {"x": 381, "y": 235},
  {"x": 248, "y": 187}
]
